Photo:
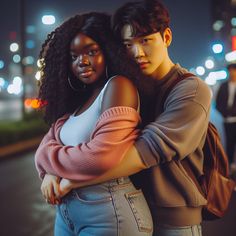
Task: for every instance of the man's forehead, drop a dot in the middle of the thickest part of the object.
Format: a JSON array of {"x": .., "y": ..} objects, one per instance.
[{"x": 127, "y": 32}]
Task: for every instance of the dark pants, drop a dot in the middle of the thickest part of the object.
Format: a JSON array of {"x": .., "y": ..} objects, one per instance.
[{"x": 230, "y": 134}]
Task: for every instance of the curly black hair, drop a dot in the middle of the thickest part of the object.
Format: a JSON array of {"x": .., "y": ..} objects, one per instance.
[{"x": 58, "y": 97}]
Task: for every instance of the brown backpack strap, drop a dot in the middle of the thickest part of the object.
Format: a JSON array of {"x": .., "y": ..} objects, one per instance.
[{"x": 172, "y": 85}]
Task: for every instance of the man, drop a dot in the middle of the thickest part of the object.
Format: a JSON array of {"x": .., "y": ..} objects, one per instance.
[
  {"x": 173, "y": 137},
  {"x": 226, "y": 105}
]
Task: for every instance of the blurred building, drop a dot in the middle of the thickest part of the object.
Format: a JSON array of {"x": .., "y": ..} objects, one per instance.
[{"x": 224, "y": 23}]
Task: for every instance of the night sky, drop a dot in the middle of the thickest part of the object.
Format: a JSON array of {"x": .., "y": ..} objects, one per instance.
[{"x": 190, "y": 23}]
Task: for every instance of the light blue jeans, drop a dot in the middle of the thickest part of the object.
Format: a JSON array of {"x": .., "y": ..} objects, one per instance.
[
  {"x": 113, "y": 208},
  {"x": 194, "y": 230}
]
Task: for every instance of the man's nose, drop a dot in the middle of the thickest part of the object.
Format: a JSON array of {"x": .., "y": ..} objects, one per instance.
[{"x": 137, "y": 51}]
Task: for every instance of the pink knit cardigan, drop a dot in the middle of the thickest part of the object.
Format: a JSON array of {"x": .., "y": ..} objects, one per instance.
[{"x": 115, "y": 131}]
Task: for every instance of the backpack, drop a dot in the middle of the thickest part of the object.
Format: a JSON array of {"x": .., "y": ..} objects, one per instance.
[{"x": 215, "y": 185}]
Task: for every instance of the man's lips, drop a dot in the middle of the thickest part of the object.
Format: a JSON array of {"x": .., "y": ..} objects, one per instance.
[{"x": 143, "y": 64}]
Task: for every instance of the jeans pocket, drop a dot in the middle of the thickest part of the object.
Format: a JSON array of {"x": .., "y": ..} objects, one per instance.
[
  {"x": 92, "y": 196},
  {"x": 140, "y": 209}
]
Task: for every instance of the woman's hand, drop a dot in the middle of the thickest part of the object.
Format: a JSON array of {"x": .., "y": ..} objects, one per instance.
[
  {"x": 50, "y": 188},
  {"x": 66, "y": 186}
]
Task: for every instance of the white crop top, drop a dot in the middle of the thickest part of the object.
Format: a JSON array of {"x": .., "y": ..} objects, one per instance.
[{"x": 77, "y": 129}]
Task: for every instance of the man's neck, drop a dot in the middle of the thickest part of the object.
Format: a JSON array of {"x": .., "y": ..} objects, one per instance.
[{"x": 162, "y": 70}]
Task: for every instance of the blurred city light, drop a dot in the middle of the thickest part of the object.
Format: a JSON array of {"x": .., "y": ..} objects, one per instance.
[
  {"x": 40, "y": 63},
  {"x": 209, "y": 64},
  {"x": 17, "y": 81},
  {"x": 16, "y": 58},
  {"x": 233, "y": 31},
  {"x": 233, "y": 21},
  {"x": 218, "y": 75},
  {"x": 1, "y": 64},
  {"x": 38, "y": 75},
  {"x": 200, "y": 70},
  {"x": 12, "y": 35},
  {"x": 30, "y": 29},
  {"x": 32, "y": 103},
  {"x": 2, "y": 82},
  {"x": 30, "y": 44},
  {"x": 35, "y": 104},
  {"x": 29, "y": 60},
  {"x": 210, "y": 81},
  {"x": 14, "y": 89},
  {"x": 217, "y": 48},
  {"x": 29, "y": 70},
  {"x": 231, "y": 56},
  {"x": 16, "y": 86},
  {"x": 14, "y": 47},
  {"x": 218, "y": 25},
  {"x": 233, "y": 43},
  {"x": 48, "y": 19}
]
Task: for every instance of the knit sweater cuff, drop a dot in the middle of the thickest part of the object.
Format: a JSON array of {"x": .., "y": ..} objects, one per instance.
[
  {"x": 145, "y": 153},
  {"x": 118, "y": 111}
]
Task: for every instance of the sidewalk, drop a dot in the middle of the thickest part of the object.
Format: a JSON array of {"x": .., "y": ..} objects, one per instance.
[{"x": 20, "y": 147}]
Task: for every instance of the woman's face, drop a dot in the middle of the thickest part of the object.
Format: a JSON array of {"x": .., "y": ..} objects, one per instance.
[{"x": 87, "y": 59}]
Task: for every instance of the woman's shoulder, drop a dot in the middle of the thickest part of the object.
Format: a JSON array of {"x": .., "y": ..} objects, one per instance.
[{"x": 120, "y": 91}]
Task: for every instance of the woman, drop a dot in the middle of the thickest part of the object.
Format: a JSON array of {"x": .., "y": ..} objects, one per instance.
[{"x": 93, "y": 122}]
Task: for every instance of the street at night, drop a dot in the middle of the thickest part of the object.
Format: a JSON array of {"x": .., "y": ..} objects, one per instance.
[{"x": 61, "y": 57}]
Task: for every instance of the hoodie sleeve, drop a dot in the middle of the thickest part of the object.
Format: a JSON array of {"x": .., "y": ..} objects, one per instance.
[
  {"x": 114, "y": 133},
  {"x": 178, "y": 131}
]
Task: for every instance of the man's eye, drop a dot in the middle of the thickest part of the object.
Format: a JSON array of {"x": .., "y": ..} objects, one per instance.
[{"x": 145, "y": 40}]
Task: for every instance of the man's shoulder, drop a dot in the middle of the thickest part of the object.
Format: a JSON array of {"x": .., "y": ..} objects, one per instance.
[
  {"x": 193, "y": 89},
  {"x": 192, "y": 84}
]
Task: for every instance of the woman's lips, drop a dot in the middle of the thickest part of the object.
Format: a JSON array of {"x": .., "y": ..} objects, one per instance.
[{"x": 86, "y": 74}]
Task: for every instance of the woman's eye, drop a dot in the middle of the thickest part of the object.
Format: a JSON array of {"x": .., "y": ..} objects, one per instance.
[
  {"x": 128, "y": 45},
  {"x": 93, "y": 52},
  {"x": 73, "y": 57}
]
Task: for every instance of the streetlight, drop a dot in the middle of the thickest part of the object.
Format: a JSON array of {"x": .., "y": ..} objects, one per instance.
[
  {"x": 217, "y": 48},
  {"x": 1, "y": 64},
  {"x": 209, "y": 64},
  {"x": 48, "y": 19},
  {"x": 14, "y": 47},
  {"x": 231, "y": 56},
  {"x": 200, "y": 70}
]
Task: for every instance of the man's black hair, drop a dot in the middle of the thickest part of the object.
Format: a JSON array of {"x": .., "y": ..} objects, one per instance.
[{"x": 144, "y": 17}]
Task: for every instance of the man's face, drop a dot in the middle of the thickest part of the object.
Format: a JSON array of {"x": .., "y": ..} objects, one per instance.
[
  {"x": 150, "y": 51},
  {"x": 232, "y": 75}
]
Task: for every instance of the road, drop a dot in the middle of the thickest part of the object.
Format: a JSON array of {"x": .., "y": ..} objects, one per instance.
[
  {"x": 23, "y": 210},
  {"x": 10, "y": 109}
]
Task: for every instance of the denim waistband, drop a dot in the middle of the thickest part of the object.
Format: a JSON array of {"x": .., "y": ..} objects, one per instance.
[
  {"x": 118, "y": 181},
  {"x": 107, "y": 184}
]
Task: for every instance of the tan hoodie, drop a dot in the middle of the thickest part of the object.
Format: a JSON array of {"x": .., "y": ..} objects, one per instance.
[{"x": 176, "y": 135}]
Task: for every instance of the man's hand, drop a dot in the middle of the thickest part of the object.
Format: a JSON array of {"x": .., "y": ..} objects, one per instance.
[{"x": 50, "y": 189}]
